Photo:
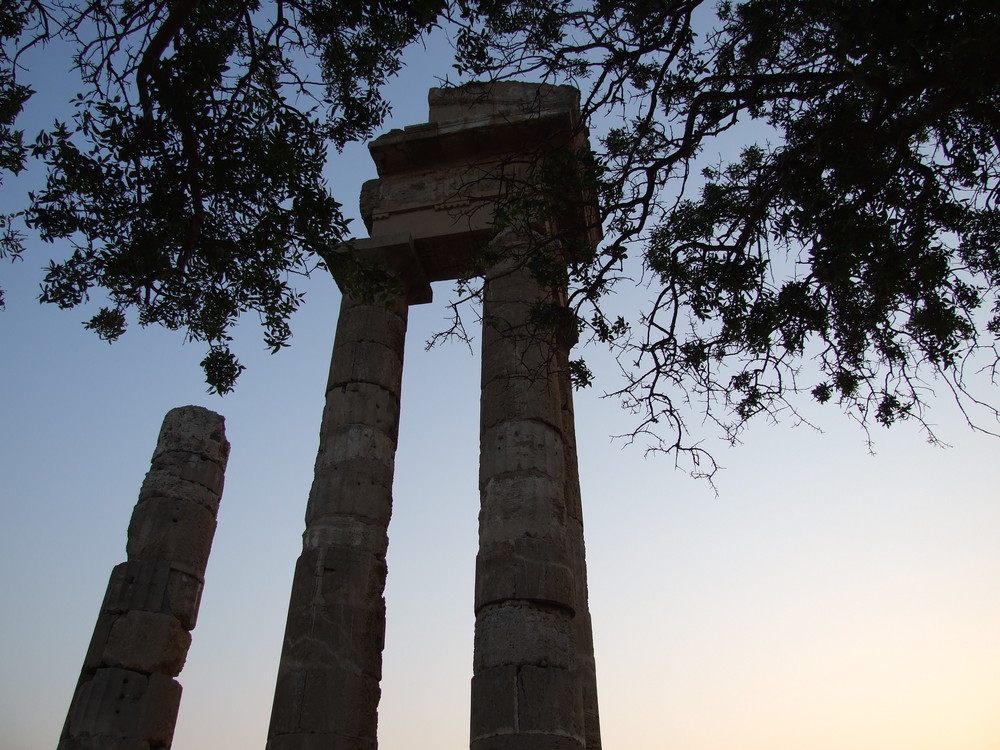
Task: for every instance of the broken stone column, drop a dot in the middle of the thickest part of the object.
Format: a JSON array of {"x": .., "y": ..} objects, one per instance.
[
  {"x": 127, "y": 697},
  {"x": 527, "y": 685},
  {"x": 327, "y": 691}
]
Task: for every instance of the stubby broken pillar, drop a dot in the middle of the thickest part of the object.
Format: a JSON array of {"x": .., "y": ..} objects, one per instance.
[
  {"x": 126, "y": 698},
  {"x": 327, "y": 689}
]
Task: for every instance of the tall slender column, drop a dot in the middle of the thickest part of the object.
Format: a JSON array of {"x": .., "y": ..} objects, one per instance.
[
  {"x": 126, "y": 698},
  {"x": 327, "y": 689},
  {"x": 527, "y": 692}
]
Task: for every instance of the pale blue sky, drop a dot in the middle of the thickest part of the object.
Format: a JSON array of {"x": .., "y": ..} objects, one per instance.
[{"x": 825, "y": 599}]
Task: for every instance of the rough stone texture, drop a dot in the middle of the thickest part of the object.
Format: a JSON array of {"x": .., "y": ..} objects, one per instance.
[
  {"x": 175, "y": 530},
  {"x": 584, "y": 636},
  {"x": 124, "y": 709},
  {"x": 478, "y": 100},
  {"x": 516, "y": 506},
  {"x": 327, "y": 689},
  {"x": 439, "y": 182},
  {"x": 147, "y": 642},
  {"x": 138, "y": 584},
  {"x": 325, "y": 741},
  {"x": 532, "y": 569},
  {"x": 526, "y": 741},
  {"x": 527, "y": 595},
  {"x": 521, "y": 633},
  {"x": 126, "y": 698}
]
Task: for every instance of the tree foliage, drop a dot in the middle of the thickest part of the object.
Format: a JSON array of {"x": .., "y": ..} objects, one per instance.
[
  {"x": 189, "y": 181},
  {"x": 860, "y": 232},
  {"x": 850, "y": 252}
]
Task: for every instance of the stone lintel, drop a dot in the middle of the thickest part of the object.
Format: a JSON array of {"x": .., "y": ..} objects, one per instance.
[
  {"x": 433, "y": 144},
  {"x": 478, "y": 99},
  {"x": 441, "y": 181}
]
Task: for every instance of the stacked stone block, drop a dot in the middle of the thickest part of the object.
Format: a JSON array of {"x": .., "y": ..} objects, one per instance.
[
  {"x": 127, "y": 697},
  {"x": 327, "y": 690}
]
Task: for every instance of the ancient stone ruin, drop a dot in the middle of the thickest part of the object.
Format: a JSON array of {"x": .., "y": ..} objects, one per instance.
[
  {"x": 493, "y": 186},
  {"x": 487, "y": 188},
  {"x": 127, "y": 697}
]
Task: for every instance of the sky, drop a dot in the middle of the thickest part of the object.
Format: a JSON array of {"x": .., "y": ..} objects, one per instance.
[{"x": 822, "y": 598}]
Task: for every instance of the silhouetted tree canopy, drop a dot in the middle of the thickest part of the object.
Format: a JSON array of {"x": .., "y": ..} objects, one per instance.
[{"x": 849, "y": 253}]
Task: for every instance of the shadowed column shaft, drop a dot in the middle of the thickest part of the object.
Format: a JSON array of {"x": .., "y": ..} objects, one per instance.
[
  {"x": 327, "y": 689},
  {"x": 126, "y": 698},
  {"x": 527, "y": 692},
  {"x": 583, "y": 630}
]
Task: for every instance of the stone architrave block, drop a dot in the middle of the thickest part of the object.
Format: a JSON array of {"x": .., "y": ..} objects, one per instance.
[
  {"x": 481, "y": 100},
  {"x": 500, "y": 634},
  {"x": 549, "y": 700},
  {"x": 147, "y": 642},
  {"x": 534, "y": 570},
  {"x": 494, "y": 701},
  {"x": 196, "y": 430},
  {"x": 173, "y": 530}
]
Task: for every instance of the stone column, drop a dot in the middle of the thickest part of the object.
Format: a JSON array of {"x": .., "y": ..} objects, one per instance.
[
  {"x": 327, "y": 689},
  {"x": 126, "y": 698},
  {"x": 527, "y": 691},
  {"x": 584, "y": 634}
]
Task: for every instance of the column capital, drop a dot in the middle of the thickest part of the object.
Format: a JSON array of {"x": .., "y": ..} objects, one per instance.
[{"x": 394, "y": 253}]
